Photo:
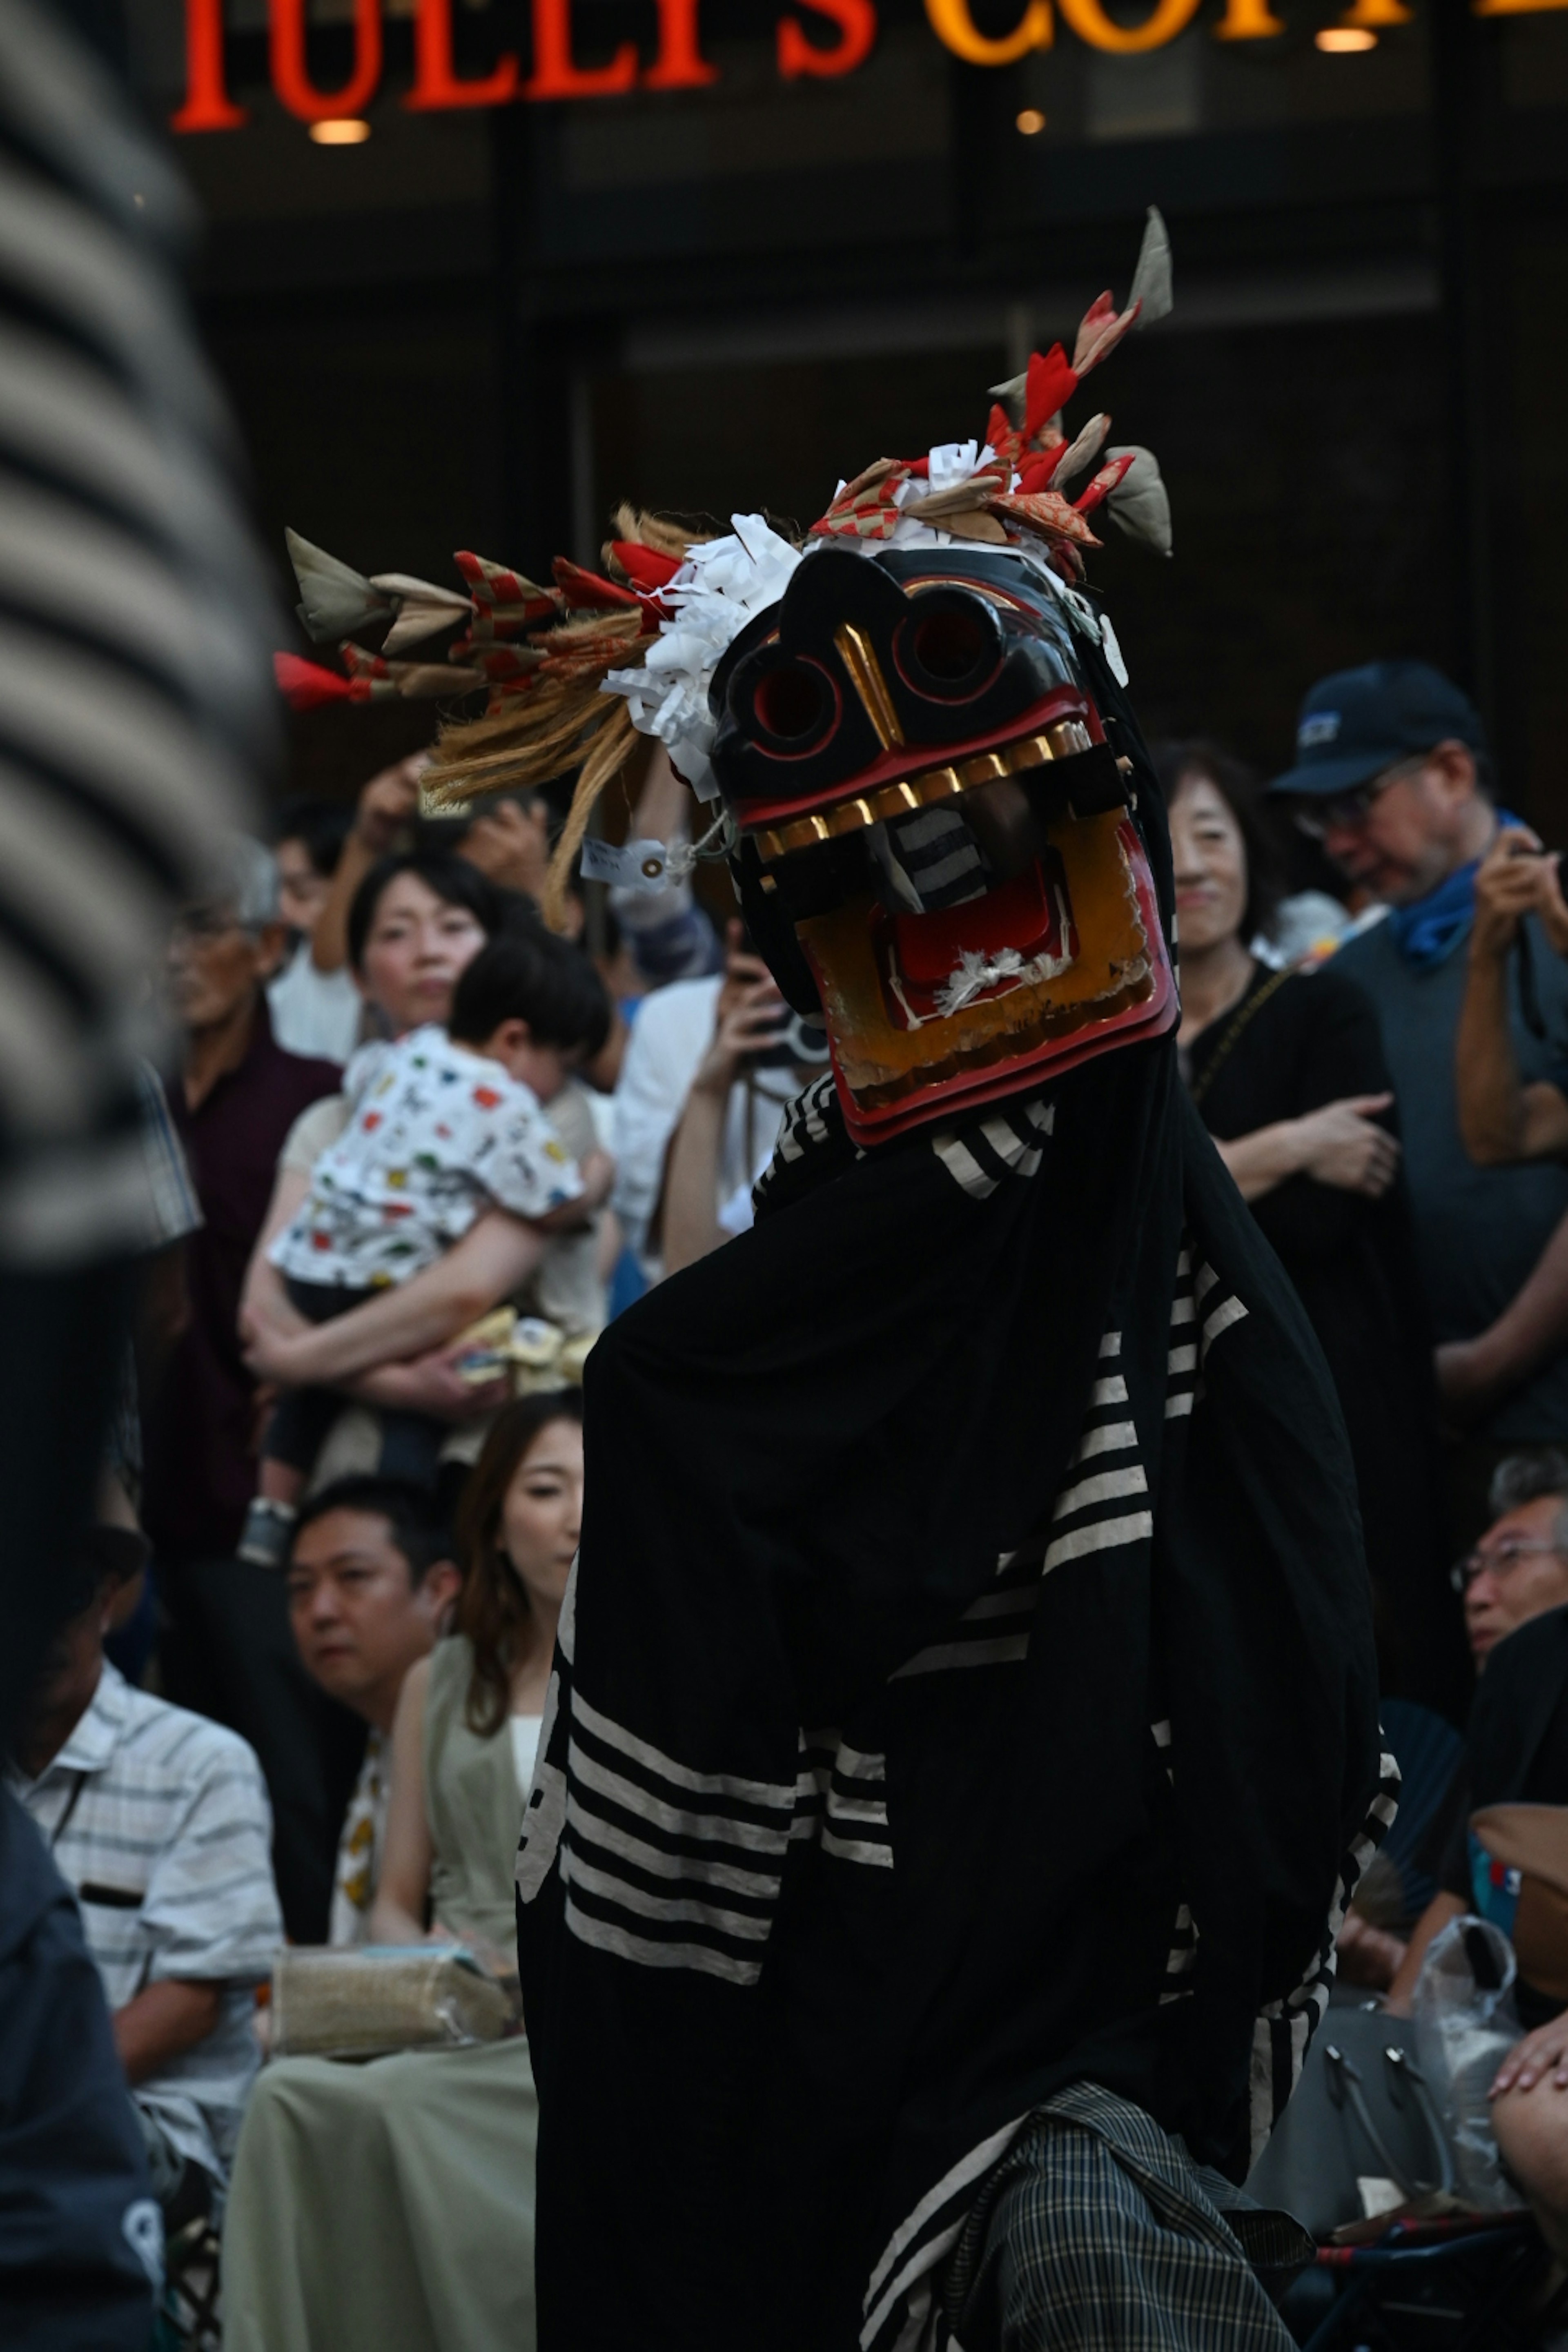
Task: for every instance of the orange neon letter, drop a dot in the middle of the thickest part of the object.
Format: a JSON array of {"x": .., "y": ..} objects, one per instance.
[
  {"x": 435, "y": 83},
  {"x": 956, "y": 29},
  {"x": 1248, "y": 20},
  {"x": 857, "y": 23},
  {"x": 678, "y": 64},
  {"x": 1090, "y": 23},
  {"x": 555, "y": 76},
  {"x": 209, "y": 106},
  {"x": 290, "y": 75}
]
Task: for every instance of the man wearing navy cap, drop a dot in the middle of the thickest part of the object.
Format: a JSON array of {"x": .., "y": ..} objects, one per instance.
[{"x": 1393, "y": 777}]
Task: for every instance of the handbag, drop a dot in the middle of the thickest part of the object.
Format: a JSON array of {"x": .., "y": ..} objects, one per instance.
[{"x": 1362, "y": 2113}]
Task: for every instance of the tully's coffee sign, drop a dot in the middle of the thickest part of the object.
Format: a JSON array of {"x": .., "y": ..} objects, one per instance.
[{"x": 820, "y": 38}]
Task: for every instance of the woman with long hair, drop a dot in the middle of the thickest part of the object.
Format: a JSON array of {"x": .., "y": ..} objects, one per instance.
[
  {"x": 468, "y": 1721},
  {"x": 1286, "y": 1070},
  {"x": 389, "y": 2207}
]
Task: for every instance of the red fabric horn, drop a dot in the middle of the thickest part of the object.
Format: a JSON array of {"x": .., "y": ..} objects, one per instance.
[{"x": 304, "y": 685}]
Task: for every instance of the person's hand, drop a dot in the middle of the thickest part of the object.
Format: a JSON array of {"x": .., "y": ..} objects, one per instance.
[
  {"x": 432, "y": 1384},
  {"x": 512, "y": 846},
  {"x": 1542, "y": 2053},
  {"x": 749, "y": 1021},
  {"x": 389, "y": 802},
  {"x": 742, "y": 969},
  {"x": 266, "y": 1309},
  {"x": 745, "y": 1016},
  {"x": 1516, "y": 878},
  {"x": 1368, "y": 1955},
  {"x": 1342, "y": 1145},
  {"x": 270, "y": 1352}
]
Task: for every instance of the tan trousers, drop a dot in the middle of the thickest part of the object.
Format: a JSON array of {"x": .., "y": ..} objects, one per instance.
[{"x": 387, "y": 2206}]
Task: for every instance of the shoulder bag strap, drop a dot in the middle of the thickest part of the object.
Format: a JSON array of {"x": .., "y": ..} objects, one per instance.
[{"x": 1249, "y": 1007}]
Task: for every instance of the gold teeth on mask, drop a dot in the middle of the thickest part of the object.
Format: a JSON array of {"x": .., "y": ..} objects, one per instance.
[{"x": 1065, "y": 739}]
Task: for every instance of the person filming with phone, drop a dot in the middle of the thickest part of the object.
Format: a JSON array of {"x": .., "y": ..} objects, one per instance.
[{"x": 757, "y": 1044}]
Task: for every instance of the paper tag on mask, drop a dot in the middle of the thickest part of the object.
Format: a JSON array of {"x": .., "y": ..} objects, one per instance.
[
  {"x": 1113, "y": 650},
  {"x": 638, "y": 865}
]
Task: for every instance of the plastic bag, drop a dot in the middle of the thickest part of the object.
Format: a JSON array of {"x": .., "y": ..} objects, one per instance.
[
  {"x": 1465, "y": 2023},
  {"x": 361, "y": 2001}
]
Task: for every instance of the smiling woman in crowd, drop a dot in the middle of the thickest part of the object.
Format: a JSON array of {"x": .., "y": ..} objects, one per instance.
[{"x": 1286, "y": 1071}]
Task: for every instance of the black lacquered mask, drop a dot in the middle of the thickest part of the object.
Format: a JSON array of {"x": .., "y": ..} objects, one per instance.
[{"x": 936, "y": 846}]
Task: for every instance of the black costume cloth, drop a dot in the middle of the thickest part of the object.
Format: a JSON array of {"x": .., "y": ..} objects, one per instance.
[
  {"x": 966, "y": 1689},
  {"x": 1292, "y": 1045}
]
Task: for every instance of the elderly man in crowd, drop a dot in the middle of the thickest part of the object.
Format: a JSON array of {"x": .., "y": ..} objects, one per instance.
[
  {"x": 1392, "y": 776},
  {"x": 158, "y": 1821},
  {"x": 1516, "y": 1749},
  {"x": 226, "y": 1650},
  {"x": 369, "y": 1585}
]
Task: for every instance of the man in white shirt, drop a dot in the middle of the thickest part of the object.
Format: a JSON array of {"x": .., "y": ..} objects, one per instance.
[
  {"x": 158, "y": 1821},
  {"x": 316, "y": 1007}
]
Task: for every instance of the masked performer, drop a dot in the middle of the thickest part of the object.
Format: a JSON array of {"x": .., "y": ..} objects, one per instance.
[{"x": 962, "y": 1734}]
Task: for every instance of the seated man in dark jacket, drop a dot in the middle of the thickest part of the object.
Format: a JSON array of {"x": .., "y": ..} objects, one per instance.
[{"x": 1517, "y": 1745}]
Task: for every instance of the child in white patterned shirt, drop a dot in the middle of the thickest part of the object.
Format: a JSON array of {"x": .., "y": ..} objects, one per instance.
[{"x": 443, "y": 1124}]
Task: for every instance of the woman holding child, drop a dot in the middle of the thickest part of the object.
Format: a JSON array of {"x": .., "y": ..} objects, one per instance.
[
  {"x": 390, "y": 2205},
  {"x": 393, "y": 1229}
]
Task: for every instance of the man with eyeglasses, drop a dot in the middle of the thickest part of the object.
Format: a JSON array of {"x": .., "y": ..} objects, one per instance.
[
  {"x": 226, "y": 1651},
  {"x": 1519, "y": 1568},
  {"x": 1516, "y": 1747},
  {"x": 1393, "y": 778}
]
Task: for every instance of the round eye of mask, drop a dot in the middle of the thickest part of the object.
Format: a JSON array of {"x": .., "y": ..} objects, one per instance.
[
  {"x": 950, "y": 646},
  {"x": 794, "y": 703}
]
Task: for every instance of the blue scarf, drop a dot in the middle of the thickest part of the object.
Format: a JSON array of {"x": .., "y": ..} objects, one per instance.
[{"x": 1428, "y": 932}]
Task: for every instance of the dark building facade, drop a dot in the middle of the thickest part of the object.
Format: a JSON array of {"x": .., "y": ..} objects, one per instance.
[{"x": 482, "y": 326}]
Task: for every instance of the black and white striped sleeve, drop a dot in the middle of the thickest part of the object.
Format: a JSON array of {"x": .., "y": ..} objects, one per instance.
[{"x": 135, "y": 697}]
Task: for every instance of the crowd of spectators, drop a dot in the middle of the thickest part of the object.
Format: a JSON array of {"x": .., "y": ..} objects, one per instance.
[{"x": 414, "y": 1150}]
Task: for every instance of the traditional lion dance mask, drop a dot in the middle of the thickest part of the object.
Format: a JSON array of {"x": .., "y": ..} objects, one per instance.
[{"x": 932, "y": 822}]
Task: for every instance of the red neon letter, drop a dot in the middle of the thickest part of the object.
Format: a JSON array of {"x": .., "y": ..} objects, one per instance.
[
  {"x": 208, "y": 106},
  {"x": 678, "y": 65},
  {"x": 434, "y": 82},
  {"x": 291, "y": 77},
  {"x": 856, "y": 22},
  {"x": 555, "y": 76}
]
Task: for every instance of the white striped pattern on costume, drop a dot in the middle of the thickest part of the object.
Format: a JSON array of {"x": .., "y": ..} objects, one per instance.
[
  {"x": 1182, "y": 1958},
  {"x": 993, "y": 1631},
  {"x": 134, "y": 689},
  {"x": 1104, "y": 1502},
  {"x": 841, "y": 1800},
  {"x": 1200, "y": 1312},
  {"x": 803, "y": 1122},
  {"x": 920, "y": 2243},
  {"x": 1007, "y": 1143},
  {"x": 664, "y": 1866},
  {"x": 938, "y": 857},
  {"x": 1284, "y": 2029}
]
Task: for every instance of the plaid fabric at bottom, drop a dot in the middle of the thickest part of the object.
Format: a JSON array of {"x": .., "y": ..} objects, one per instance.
[{"x": 1098, "y": 2231}]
